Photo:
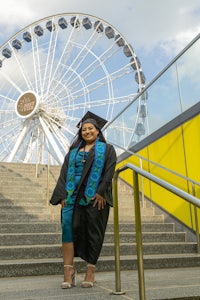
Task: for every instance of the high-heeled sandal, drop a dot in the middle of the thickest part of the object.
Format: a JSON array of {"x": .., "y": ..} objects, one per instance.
[
  {"x": 86, "y": 283},
  {"x": 66, "y": 284}
]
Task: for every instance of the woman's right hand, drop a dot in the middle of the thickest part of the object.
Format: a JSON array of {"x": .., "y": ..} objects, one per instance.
[{"x": 62, "y": 203}]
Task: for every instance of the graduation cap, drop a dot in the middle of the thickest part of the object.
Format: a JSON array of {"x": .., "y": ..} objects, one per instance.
[{"x": 90, "y": 117}]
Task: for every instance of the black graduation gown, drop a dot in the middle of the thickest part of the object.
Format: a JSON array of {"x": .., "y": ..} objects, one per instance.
[{"x": 89, "y": 224}]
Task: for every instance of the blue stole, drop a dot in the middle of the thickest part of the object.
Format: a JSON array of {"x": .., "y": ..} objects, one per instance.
[{"x": 94, "y": 176}]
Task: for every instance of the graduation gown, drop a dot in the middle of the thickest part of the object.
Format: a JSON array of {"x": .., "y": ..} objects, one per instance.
[{"x": 89, "y": 223}]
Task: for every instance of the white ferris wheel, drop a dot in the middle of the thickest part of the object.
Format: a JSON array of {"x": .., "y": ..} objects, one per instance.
[{"x": 51, "y": 73}]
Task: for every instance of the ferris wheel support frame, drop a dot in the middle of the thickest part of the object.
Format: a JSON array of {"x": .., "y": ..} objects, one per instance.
[
  {"x": 51, "y": 140},
  {"x": 19, "y": 141}
]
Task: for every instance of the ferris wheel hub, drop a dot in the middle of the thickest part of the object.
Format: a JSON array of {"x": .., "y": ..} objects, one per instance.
[{"x": 27, "y": 104}]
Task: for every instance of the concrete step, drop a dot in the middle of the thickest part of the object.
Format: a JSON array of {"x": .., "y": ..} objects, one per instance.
[
  {"x": 17, "y": 178},
  {"x": 7, "y": 205},
  {"x": 30, "y": 209},
  {"x": 22, "y": 167},
  {"x": 23, "y": 200},
  {"x": 30, "y": 173},
  {"x": 32, "y": 267},
  {"x": 145, "y": 219},
  {"x": 144, "y": 211},
  {"x": 24, "y": 217},
  {"x": 55, "y": 227},
  {"x": 54, "y": 251},
  {"x": 20, "y": 188},
  {"x": 26, "y": 178},
  {"x": 21, "y": 217},
  {"x": 130, "y": 237},
  {"x": 146, "y": 227},
  {"x": 23, "y": 194},
  {"x": 30, "y": 227},
  {"x": 55, "y": 238},
  {"x": 26, "y": 175}
]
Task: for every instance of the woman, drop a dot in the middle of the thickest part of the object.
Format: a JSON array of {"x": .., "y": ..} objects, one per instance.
[{"x": 84, "y": 190}]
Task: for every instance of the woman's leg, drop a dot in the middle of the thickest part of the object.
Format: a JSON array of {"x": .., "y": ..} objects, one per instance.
[
  {"x": 68, "y": 247},
  {"x": 68, "y": 253},
  {"x": 89, "y": 279},
  {"x": 68, "y": 261}
]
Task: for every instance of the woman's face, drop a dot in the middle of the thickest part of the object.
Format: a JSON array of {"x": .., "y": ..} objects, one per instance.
[{"x": 89, "y": 133}]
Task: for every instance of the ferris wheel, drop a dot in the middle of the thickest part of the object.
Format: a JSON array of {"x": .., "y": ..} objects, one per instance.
[{"x": 51, "y": 73}]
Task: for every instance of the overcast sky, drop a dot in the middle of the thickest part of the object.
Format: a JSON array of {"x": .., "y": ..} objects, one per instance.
[{"x": 158, "y": 30}]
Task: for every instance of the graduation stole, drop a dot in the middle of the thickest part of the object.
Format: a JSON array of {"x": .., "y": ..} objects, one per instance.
[{"x": 94, "y": 176}]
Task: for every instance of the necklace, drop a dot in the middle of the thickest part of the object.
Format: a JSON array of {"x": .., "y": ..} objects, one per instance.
[
  {"x": 84, "y": 157},
  {"x": 83, "y": 160}
]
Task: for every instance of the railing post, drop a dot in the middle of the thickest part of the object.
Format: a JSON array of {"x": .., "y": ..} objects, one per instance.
[
  {"x": 196, "y": 222},
  {"x": 48, "y": 182},
  {"x": 138, "y": 227},
  {"x": 36, "y": 171},
  {"x": 116, "y": 238}
]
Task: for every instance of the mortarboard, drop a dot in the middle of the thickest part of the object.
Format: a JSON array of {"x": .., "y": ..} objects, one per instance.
[{"x": 88, "y": 116}]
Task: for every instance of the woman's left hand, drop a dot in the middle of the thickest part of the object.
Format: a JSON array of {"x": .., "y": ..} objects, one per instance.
[{"x": 100, "y": 201}]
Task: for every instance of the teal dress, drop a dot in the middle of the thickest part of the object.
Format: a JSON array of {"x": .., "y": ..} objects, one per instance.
[{"x": 67, "y": 210}]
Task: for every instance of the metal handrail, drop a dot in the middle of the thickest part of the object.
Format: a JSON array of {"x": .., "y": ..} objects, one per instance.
[
  {"x": 137, "y": 171},
  {"x": 188, "y": 180},
  {"x": 192, "y": 181}
]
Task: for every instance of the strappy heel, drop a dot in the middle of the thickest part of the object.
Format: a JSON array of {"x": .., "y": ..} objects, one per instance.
[
  {"x": 86, "y": 283},
  {"x": 66, "y": 284}
]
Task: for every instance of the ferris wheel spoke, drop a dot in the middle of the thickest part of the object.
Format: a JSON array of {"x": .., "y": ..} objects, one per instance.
[
  {"x": 63, "y": 87},
  {"x": 64, "y": 56},
  {"x": 8, "y": 113},
  {"x": 103, "y": 57},
  {"x": 50, "y": 59},
  {"x": 37, "y": 64},
  {"x": 12, "y": 83},
  {"x": 99, "y": 102},
  {"x": 9, "y": 127},
  {"x": 22, "y": 70},
  {"x": 98, "y": 61},
  {"x": 79, "y": 59},
  {"x": 104, "y": 81},
  {"x": 107, "y": 79},
  {"x": 50, "y": 65},
  {"x": 99, "y": 65}
]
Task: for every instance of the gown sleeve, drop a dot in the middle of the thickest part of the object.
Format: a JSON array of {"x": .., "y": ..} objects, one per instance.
[
  {"x": 59, "y": 192},
  {"x": 108, "y": 171}
]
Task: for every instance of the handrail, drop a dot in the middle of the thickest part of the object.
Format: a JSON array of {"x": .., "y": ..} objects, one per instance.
[
  {"x": 192, "y": 181},
  {"x": 189, "y": 198}
]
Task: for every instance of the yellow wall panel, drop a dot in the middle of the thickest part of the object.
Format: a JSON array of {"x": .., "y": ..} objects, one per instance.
[{"x": 178, "y": 151}]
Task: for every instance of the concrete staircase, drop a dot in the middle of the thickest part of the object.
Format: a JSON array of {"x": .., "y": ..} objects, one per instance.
[{"x": 30, "y": 233}]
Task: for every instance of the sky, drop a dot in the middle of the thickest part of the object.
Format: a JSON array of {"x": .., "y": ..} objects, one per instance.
[{"x": 157, "y": 30}]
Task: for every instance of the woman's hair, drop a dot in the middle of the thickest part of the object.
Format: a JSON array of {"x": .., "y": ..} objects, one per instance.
[{"x": 78, "y": 140}]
